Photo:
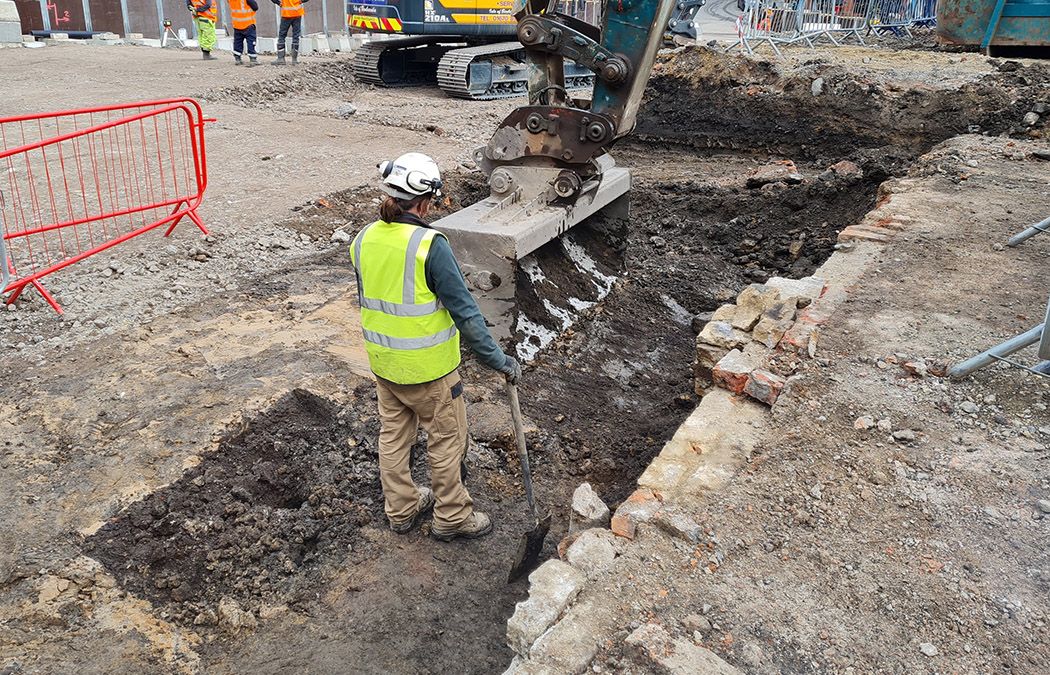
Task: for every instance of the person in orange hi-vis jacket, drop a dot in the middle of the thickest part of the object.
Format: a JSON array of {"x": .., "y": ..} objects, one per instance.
[
  {"x": 292, "y": 12},
  {"x": 242, "y": 13}
]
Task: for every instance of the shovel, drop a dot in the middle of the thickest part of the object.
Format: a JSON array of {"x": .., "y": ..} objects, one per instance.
[{"x": 532, "y": 541}]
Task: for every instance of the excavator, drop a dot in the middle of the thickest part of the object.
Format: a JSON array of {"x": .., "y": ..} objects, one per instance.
[
  {"x": 467, "y": 46},
  {"x": 548, "y": 163}
]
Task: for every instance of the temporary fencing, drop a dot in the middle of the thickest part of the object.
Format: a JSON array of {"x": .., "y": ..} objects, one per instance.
[
  {"x": 79, "y": 182},
  {"x": 785, "y": 22}
]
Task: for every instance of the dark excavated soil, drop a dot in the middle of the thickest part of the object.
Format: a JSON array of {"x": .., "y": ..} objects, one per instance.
[
  {"x": 257, "y": 519},
  {"x": 709, "y": 99}
]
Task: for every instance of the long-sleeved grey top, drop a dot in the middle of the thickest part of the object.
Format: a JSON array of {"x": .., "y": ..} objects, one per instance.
[{"x": 445, "y": 279}]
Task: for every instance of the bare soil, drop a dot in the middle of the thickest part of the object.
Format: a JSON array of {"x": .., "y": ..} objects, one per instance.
[{"x": 160, "y": 438}]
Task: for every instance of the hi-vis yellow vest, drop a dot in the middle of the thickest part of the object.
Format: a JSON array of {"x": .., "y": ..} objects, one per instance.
[{"x": 410, "y": 338}]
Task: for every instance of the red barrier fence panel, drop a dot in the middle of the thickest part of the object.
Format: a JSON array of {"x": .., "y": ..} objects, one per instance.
[{"x": 78, "y": 182}]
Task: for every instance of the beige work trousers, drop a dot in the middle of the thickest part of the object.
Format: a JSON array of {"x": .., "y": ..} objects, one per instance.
[{"x": 440, "y": 408}]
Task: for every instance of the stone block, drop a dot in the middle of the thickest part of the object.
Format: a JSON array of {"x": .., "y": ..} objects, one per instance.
[
  {"x": 774, "y": 322},
  {"x": 552, "y": 588},
  {"x": 639, "y": 508},
  {"x": 592, "y": 551},
  {"x": 588, "y": 510},
  {"x": 732, "y": 371},
  {"x": 745, "y": 318},
  {"x": 660, "y": 653},
  {"x": 706, "y": 358},
  {"x": 764, "y": 386},
  {"x": 569, "y": 647},
  {"x": 722, "y": 334},
  {"x": 807, "y": 287},
  {"x": 751, "y": 303},
  {"x": 724, "y": 313},
  {"x": 678, "y": 523},
  {"x": 266, "y": 45}
]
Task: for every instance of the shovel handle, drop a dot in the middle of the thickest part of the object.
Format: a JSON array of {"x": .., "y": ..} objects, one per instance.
[{"x": 523, "y": 452}]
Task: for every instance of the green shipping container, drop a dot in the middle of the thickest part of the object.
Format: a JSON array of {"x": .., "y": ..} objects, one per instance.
[{"x": 1021, "y": 22}]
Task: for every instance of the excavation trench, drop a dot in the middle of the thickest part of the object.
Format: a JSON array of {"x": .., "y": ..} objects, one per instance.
[{"x": 285, "y": 520}]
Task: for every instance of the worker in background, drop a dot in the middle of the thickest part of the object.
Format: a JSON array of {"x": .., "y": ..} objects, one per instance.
[
  {"x": 204, "y": 16},
  {"x": 414, "y": 307},
  {"x": 242, "y": 13},
  {"x": 292, "y": 12}
]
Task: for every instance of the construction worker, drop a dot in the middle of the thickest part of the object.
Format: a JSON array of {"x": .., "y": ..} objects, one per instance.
[
  {"x": 292, "y": 12},
  {"x": 204, "y": 16},
  {"x": 414, "y": 307},
  {"x": 242, "y": 14}
]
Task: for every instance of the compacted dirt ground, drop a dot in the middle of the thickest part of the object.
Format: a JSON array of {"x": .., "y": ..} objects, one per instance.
[{"x": 190, "y": 451}]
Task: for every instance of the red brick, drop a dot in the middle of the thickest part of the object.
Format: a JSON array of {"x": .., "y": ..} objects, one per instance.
[
  {"x": 764, "y": 386},
  {"x": 732, "y": 370},
  {"x": 639, "y": 508}
]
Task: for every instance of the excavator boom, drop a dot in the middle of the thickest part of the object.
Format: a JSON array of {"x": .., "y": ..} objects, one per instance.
[{"x": 548, "y": 163}]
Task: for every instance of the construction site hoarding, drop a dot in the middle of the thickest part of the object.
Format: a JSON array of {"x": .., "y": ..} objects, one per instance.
[{"x": 147, "y": 16}]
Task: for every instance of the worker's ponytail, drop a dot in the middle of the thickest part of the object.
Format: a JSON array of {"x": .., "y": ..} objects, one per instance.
[{"x": 393, "y": 208}]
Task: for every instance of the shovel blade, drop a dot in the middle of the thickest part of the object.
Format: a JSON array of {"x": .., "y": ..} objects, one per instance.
[{"x": 529, "y": 549}]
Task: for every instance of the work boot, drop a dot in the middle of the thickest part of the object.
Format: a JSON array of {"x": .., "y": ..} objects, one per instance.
[
  {"x": 295, "y": 57},
  {"x": 236, "y": 59},
  {"x": 426, "y": 503},
  {"x": 280, "y": 58},
  {"x": 476, "y": 525},
  {"x": 253, "y": 61},
  {"x": 208, "y": 56}
]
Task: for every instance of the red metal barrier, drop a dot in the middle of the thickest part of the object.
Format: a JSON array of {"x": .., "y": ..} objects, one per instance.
[{"x": 81, "y": 181}]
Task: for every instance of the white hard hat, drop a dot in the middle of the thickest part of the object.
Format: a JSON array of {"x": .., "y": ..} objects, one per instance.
[{"x": 411, "y": 175}]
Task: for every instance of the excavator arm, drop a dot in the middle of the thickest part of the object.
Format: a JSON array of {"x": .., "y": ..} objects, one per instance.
[
  {"x": 548, "y": 163},
  {"x": 556, "y": 131}
]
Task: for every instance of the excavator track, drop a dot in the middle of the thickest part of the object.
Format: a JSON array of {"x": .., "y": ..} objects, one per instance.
[
  {"x": 369, "y": 65},
  {"x": 460, "y": 73}
]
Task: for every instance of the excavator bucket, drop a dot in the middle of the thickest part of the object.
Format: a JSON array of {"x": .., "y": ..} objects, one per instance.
[
  {"x": 548, "y": 163},
  {"x": 493, "y": 235}
]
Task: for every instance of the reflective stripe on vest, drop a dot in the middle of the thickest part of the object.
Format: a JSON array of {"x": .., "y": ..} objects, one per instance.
[
  {"x": 208, "y": 14},
  {"x": 241, "y": 14},
  {"x": 410, "y": 338},
  {"x": 291, "y": 9}
]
